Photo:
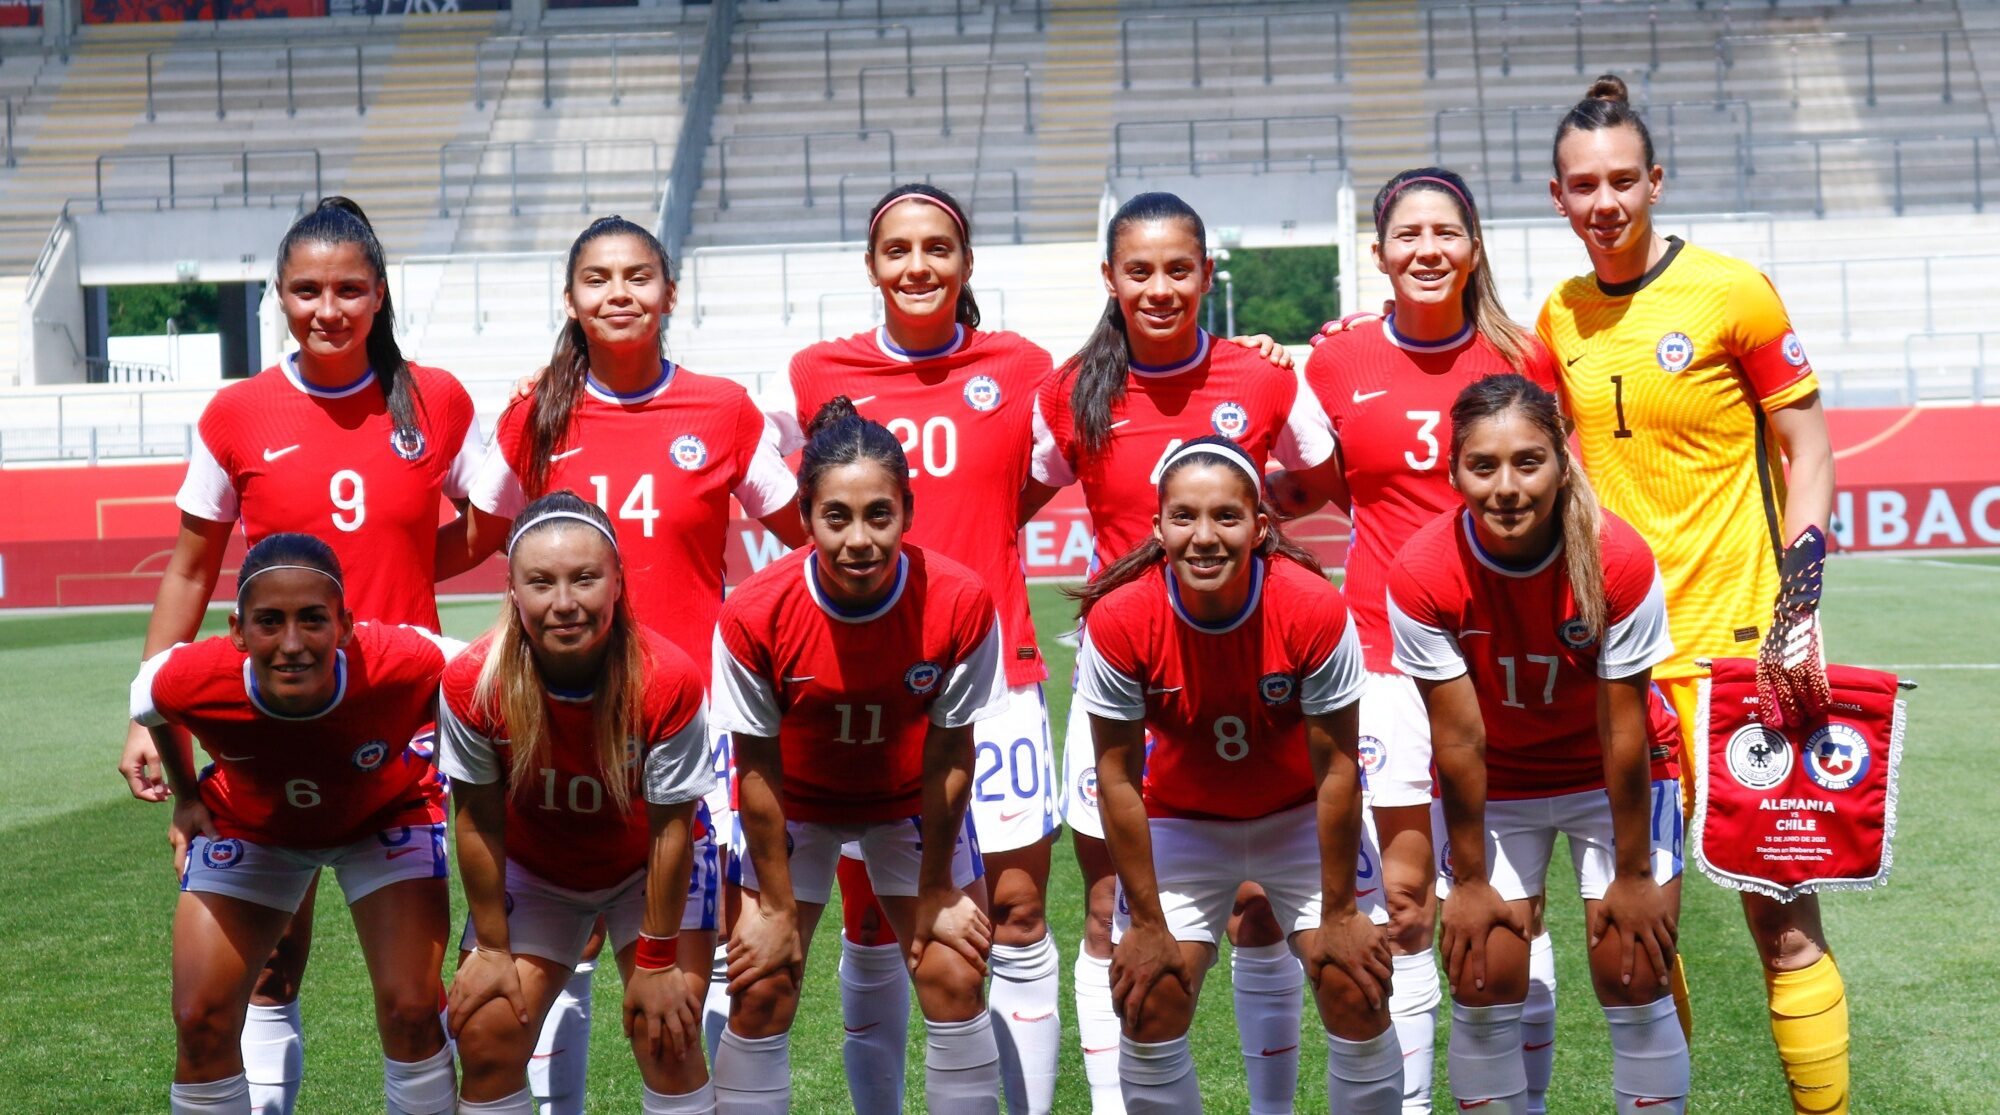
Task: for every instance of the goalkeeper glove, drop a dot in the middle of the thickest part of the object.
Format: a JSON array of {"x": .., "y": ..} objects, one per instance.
[{"x": 1791, "y": 665}]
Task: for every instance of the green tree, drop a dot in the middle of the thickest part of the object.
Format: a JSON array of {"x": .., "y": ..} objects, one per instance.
[
  {"x": 143, "y": 311},
  {"x": 1286, "y": 292}
]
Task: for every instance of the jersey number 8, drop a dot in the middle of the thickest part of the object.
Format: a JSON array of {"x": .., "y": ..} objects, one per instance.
[{"x": 1230, "y": 740}]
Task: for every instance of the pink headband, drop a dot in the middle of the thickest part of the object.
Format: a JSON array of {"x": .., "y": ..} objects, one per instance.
[
  {"x": 914, "y": 196},
  {"x": 1382, "y": 211}
]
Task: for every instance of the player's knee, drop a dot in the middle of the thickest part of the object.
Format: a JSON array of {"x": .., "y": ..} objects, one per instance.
[
  {"x": 1607, "y": 976},
  {"x": 1346, "y": 1008},
  {"x": 1019, "y": 917},
  {"x": 950, "y": 987},
  {"x": 408, "y": 1013},
  {"x": 493, "y": 1043},
  {"x": 1787, "y": 938},
  {"x": 1165, "y": 1015},
  {"x": 1410, "y": 922},
  {"x": 207, "y": 1030},
  {"x": 764, "y": 1009},
  {"x": 278, "y": 983}
]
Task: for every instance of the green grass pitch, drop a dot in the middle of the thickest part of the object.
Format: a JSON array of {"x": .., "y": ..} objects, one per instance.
[{"x": 86, "y": 897}]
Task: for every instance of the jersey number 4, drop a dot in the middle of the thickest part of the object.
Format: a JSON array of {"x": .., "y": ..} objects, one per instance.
[{"x": 638, "y": 503}]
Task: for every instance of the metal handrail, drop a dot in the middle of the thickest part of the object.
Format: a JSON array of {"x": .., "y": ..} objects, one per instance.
[
  {"x": 675, "y": 215},
  {"x": 1671, "y": 109},
  {"x": 10, "y": 131},
  {"x": 1977, "y": 141},
  {"x": 1725, "y": 54},
  {"x": 619, "y": 40},
  {"x": 691, "y": 284},
  {"x": 971, "y": 197},
  {"x": 944, "y": 87},
  {"x": 1873, "y": 264},
  {"x": 514, "y": 148},
  {"x": 826, "y": 48},
  {"x": 722, "y": 155},
  {"x": 551, "y": 281},
  {"x": 291, "y": 101},
  {"x": 1194, "y": 24},
  {"x": 1978, "y": 369},
  {"x": 173, "y": 159},
  {"x": 1119, "y": 165}
]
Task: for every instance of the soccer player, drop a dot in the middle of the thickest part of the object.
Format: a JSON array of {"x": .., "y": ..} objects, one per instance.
[
  {"x": 960, "y": 400},
  {"x": 662, "y": 450},
  {"x": 343, "y": 439},
  {"x": 1234, "y": 789},
  {"x": 569, "y": 728},
  {"x": 1148, "y": 380},
  {"x": 1388, "y": 385},
  {"x": 1688, "y": 388},
  {"x": 307, "y": 717},
  {"x": 849, "y": 676},
  {"x": 1531, "y": 622}
]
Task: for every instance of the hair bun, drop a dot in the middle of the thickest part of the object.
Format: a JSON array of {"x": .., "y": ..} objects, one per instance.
[
  {"x": 1608, "y": 87},
  {"x": 835, "y": 410}
]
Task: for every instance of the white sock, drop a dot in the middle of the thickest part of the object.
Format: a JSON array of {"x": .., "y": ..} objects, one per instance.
[
  {"x": 1097, "y": 1025},
  {"x": 1364, "y": 1077},
  {"x": 715, "y": 1008},
  {"x": 1538, "y": 1022},
  {"x": 753, "y": 1076},
  {"x": 1158, "y": 1079},
  {"x": 1413, "y": 1005},
  {"x": 962, "y": 1066},
  {"x": 229, "y": 1096},
  {"x": 426, "y": 1087},
  {"x": 1024, "y": 996},
  {"x": 274, "y": 1057},
  {"x": 1269, "y": 986},
  {"x": 520, "y": 1103},
  {"x": 1649, "y": 1058},
  {"x": 561, "y": 1065},
  {"x": 1484, "y": 1056},
  {"x": 875, "y": 1008},
  {"x": 701, "y": 1101}
]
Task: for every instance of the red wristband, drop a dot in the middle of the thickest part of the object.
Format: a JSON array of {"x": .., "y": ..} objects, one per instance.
[{"x": 657, "y": 952}]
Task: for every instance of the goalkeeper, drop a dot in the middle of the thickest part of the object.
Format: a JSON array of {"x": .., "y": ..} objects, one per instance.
[{"x": 1701, "y": 425}]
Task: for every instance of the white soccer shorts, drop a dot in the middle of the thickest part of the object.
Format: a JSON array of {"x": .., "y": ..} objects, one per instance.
[
  {"x": 1521, "y": 838},
  {"x": 1395, "y": 743},
  {"x": 275, "y": 876},
  {"x": 893, "y": 851},
  {"x": 1013, "y": 773}
]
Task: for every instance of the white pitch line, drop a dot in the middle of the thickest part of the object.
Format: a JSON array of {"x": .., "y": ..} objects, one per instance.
[
  {"x": 1975, "y": 567},
  {"x": 1935, "y": 666}
]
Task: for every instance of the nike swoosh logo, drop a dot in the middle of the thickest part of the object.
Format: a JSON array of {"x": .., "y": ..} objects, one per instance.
[
  {"x": 862, "y": 399},
  {"x": 236, "y": 758},
  {"x": 1120, "y": 422},
  {"x": 395, "y": 853},
  {"x": 1089, "y": 1052},
  {"x": 1571, "y": 362},
  {"x": 565, "y": 454},
  {"x": 1651, "y": 1103},
  {"x": 1169, "y": 689},
  {"x": 1006, "y": 818},
  {"x": 1366, "y": 893},
  {"x": 1275, "y": 1052},
  {"x": 1467, "y": 1105},
  {"x": 1360, "y": 398},
  {"x": 274, "y": 454},
  {"x": 1532, "y": 1046},
  {"x": 1471, "y": 631},
  {"x": 799, "y": 681},
  {"x": 862, "y": 1029},
  {"x": 1038, "y": 1018}
]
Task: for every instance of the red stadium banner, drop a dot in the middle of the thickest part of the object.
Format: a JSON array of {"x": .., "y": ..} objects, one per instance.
[{"x": 1805, "y": 809}]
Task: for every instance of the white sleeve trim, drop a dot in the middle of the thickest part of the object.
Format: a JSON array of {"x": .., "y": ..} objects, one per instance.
[
  {"x": 463, "y": 754},
  {"x": 143, "y": 710},
  {"x": 206, "y": 491},
  {"x": 1104, "y": 691},
  {"x": 680, "y": 768},
  {"x": 1307, "y": 438},
  {"x": 1339, "y": 680},
  {"x": 975, "y": 688},
  {"x": 494, "y": 488},
  {"x": 767, "y": 484},
  {"x": 1423, "y": 651},
  {"x": 465, "y": 467},
  {"x": 740, "y": 700},
  {"x": 1047, "y": 464},
  {"x": 781, "y": 408},
  {"x": 1641, "y": 640}
]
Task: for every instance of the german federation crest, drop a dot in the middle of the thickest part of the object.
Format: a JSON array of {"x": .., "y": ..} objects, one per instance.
[
  {"x": 923, "y": 677},
  {"x": 689, "y": 452},
  {"x": 1836, "y": 756},
  {"x": 1674, "y": 352},
  {"x": 370, "y": 755},
  {"x": 1759, "y": 758},
  {"x": 1276, "y": 689},
  {"x": 1229, "y": 419},
  {"x": 982, "y": 393}
]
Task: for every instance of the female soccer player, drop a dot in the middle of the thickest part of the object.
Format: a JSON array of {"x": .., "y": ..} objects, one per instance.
[
  {"x": 1688, "y": 386},
  {"x": 1268, "y": 791},
  {"x": 662, "y": 450},
  {"x": 1531, "y": 623},
  {"x": 552, "y": 727},
  {"x": 1148, "y": 380},
  {"x": 1387, "y": 385},
  {"x": 343, "y": 439},
  {"x": 849, "y": 677},
  {"x": 307, "y": 717}
]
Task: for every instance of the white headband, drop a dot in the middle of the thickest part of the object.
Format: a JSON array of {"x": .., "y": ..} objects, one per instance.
[
  {"x": 547, "y": 516},
  {"x": 1228, "y": 453},
  {"x": 244, "y": 582}
]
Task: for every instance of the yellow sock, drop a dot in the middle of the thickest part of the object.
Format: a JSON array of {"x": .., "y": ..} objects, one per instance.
[
  {"x": 1683, "y": 1008},
  {"x": 1809, "y": 1021}
]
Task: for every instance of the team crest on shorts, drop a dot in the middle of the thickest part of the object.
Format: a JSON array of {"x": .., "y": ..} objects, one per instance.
[
  {"x": 1575, "y": 633},
  {"x": 982, "y": 393},
  {"x": 1229, "y": 419},
  {"x": 1836, "y": 756},
  {"x": 408, "y": 444},
  {"x": 1276, "y": 689},
  {"x": 1444, "y": 859},
  {"x": 1795, "y": 353},
  {"x": 1086, "y": 786},
  {"x": 1759, "y": 758},
  {"x": 1674, "y": 352},
  {"x": 218, "y": 854},
  {"x": 370, "y": 755},
  {"x": 689, "y": 452},
  {"x": 1372, "y": 754},
  {"x": 923, "y": 677}
]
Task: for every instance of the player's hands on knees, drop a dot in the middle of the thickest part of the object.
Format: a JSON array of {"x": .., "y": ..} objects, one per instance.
[
  {"x": 661, "y": 1005},
  {"x": 1472, "y": 911},
  {"x": 1357, "y": 948},
  {"x": 764, "y": 942},
  {"x": 1351, "y": 321},
  {"x": 1145, "y": 955},
  {"x": 140, "y": 764},
  {"x": 1266, "y": 347},
  {"x": 525, "y": 386},
  {"x": 486, "y": 975},
  {"x": 1638, "y": 910},
  {"x": 190, "y": 820},
  {"x": 954, "y": 920}
]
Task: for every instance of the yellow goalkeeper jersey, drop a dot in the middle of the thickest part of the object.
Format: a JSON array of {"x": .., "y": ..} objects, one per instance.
[{"x": 1670, "y": 379}]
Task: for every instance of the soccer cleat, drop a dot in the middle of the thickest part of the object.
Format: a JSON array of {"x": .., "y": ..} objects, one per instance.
[{"x": 1791, "y": 665}]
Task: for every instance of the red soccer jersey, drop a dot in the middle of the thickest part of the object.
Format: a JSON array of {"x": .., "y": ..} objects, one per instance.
[
  {"x": 318, "y": 781},
  {"x": 284, "y": 455},
  {"x": 1389, "y": 400},
  {"x": 1456, "y": 610},
  {"x": 663, "y": 463},
  {"x": 850, "y": 697},
  {"x": 1225, "y": 703},
  {"x": 964, "y": 415},
  {"x": 1223, "y": 389},
  {"x": 562, "y": 826}
]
